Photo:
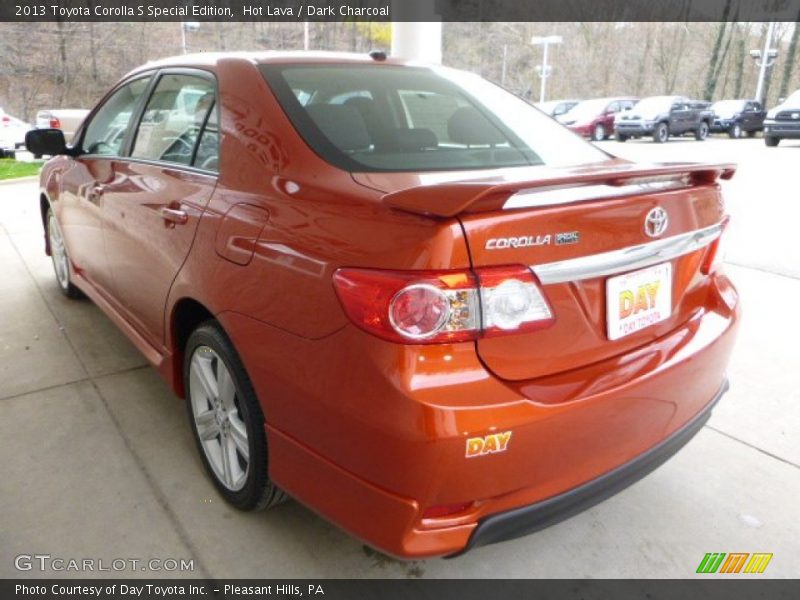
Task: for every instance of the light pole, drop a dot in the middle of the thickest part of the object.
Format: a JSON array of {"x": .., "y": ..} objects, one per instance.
[
  {"x": 187, "y": 26},
  {"x": 764, "y": 59},
  {"x": 544, "y": 69}
]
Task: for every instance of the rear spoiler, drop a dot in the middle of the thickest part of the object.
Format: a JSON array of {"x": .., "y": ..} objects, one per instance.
[{"x": 621, "y": 179}]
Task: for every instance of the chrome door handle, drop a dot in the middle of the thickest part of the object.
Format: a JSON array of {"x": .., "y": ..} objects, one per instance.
[{"x": 174, "y": 216}]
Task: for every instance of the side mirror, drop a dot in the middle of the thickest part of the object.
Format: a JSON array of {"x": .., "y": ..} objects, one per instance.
[{"x": 46, "y": 141}]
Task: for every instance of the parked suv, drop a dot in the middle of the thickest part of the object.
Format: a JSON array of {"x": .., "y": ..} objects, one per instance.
[
  {"x": 595, "y": 118},
  {"x": 737, "y": 117},
  {"x": 783, "y": 121},
  {"x": 664, "y": 116},
  {"x": 398, "y": 293}
]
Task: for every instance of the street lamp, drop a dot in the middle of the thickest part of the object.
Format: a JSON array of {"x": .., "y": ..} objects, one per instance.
[
  {"x": 764, "y": 59},
  {"x": 187, "y": 26},
  {"x": 544, "y": 69}
]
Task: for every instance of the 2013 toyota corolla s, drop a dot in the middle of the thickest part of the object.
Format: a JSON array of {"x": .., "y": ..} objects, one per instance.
[{"x": 397, "y": 293}]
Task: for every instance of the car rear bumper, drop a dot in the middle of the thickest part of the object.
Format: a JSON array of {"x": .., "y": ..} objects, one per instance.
[
  {"x": 371, "y": 434},
  {"x": 529, "y": 519}
]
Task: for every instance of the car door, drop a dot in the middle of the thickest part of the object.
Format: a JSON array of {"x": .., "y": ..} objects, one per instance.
[
  {"x": 677, "y": 118},
  {"x": 608, "y": 115},
  {"x": 81, "y": 202},
  {"x": 689, "y": 116},
  {"x": 752, "y": 116},
  {"x": 152, "y": 210}
]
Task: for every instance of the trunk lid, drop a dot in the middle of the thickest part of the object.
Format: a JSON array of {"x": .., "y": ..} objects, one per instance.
[{"x": 577, "y": 229}]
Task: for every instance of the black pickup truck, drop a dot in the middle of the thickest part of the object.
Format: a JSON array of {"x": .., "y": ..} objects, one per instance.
[
  {"x": 738, "y": 117},
  {"x": 664, "y": 116}
]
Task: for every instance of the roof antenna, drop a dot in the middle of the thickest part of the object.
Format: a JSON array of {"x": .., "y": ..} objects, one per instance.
[{"x": 378, "y": 55}]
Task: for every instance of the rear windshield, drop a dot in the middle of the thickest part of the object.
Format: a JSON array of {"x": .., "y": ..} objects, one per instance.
[{"x": 390, "y": 118}]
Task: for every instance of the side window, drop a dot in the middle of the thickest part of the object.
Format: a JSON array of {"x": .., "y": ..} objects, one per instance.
[
  {"x": 106, "y": 131},
  {"x": 172, "y": 119},
  {"x": 207, "y": 155}
]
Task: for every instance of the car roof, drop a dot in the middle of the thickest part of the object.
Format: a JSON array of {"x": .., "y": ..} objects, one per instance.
[{"x": 211, "y": 59}]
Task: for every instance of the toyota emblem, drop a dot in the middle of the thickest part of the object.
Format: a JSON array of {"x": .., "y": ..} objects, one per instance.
[{"x": 656, "y": 221}]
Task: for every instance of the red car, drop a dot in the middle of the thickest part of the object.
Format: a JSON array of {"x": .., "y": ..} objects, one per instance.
[
  {"x": 595, "y": 118},
  {"x": 399, "y": 294}
]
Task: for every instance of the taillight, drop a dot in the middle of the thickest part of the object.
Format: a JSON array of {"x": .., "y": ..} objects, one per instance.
[
  {"x": 431, "y": 307},
  {"x": 512, "y": 301},
  {"x": 716, "y": 252},
  {"x": 6, "y": 120},
  {"x": 55, "y": 123}
]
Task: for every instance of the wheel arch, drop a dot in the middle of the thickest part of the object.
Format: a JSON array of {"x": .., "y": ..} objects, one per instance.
[
  {"x": 185, "y": 316},
  {"x": 44, "y": 206}
]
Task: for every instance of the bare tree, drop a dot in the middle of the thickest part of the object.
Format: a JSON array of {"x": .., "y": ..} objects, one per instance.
[{"x": 791, "y": 59}]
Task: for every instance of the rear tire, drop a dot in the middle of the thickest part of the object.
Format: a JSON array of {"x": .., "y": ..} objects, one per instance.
[
  {"x": 771, "y": 141},
  {"x": 752, "y": 134},
  {"x": 661, "y": 133},
  {"x": 620, "y": 137},
  {"x": 735, "y": 132},
  {"x": 701, "y": 133},
  {"x": 226, "y": 420},
  {"x": 60, "y": 257}
]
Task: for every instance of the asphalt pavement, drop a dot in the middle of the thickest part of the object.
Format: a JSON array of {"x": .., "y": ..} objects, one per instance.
[{"x": 98, "y": 461}]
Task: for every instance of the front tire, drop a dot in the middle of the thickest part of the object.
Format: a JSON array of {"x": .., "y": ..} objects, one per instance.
[
  {"x": 60, "y": 257},
  {"x": 661, "y": 133},
  {"x": 771, "y": 141},
  {"x": 598, "y": 133},
  {"x": 701, "y": 133},
  {"x": 226, "y": 420}
]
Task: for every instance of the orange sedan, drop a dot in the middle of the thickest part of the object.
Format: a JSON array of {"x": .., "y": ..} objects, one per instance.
[{"x": 396, "y": 293}]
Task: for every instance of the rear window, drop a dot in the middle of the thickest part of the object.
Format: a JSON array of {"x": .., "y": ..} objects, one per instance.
[{"x": 390, "y": 118}]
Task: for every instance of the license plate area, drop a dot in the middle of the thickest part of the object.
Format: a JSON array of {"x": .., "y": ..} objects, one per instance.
[{"x": 637, "y": 300}]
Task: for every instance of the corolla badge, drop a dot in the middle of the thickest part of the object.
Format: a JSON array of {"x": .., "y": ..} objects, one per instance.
[
  {"x": 527, "y": 241},
  {"x": 656, "y": 221}
]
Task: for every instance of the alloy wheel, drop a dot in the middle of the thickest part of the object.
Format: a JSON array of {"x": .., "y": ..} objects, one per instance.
[
  {"x": 58, "y": 252},
  {"x": 218, "y": 419},
  {"x": 599, "y": 133}
]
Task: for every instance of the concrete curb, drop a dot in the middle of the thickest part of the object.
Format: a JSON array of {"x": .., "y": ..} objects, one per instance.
[{"x": 19, "y": 180}]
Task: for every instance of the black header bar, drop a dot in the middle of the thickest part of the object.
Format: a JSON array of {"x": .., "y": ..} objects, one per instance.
[{"x": 400, "y": 10}]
